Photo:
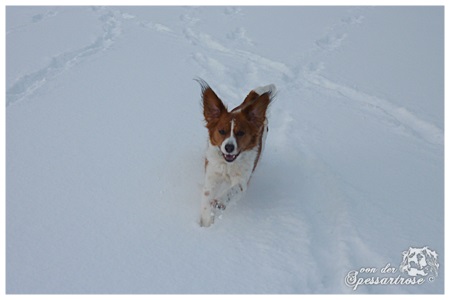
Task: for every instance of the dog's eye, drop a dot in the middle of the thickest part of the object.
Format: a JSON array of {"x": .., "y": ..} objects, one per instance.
[
  {"x": 222, "y": 132},
  {"x": 240, "y": 133}
]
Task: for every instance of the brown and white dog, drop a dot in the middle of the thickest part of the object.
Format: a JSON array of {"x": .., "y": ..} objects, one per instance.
[{"x": 236, "y": 141}]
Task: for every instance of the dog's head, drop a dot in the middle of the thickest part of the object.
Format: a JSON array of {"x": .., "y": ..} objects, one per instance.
[{"x": 238, "y": 130}]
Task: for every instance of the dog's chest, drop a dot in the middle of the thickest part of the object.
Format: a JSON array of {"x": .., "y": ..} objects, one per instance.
[{"x": 236, "y": 172}]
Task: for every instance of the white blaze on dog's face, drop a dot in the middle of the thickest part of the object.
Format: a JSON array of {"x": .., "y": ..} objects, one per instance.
[
  {"x": 229, "y": 146},
  {"x": 238, "y": 130}
]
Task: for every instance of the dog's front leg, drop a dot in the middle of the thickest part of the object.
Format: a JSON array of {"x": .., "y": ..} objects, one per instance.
[
  {"x": 206, "y": 210},
  {"x": 215, "y": 198},
  {"x": 214, "y": 186},
  {"x": 217, "y": 194},
  {"x": 232, "y": 194}
]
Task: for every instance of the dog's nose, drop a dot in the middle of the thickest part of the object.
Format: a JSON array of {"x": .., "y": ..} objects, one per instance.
[{"x": 229, "y": 148}]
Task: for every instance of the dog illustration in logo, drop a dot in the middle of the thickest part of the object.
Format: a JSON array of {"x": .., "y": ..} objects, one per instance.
[{"x": 419, "y": 262}]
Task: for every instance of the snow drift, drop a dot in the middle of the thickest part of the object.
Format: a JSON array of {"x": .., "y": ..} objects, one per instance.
[{"x": 105, "y": 145}]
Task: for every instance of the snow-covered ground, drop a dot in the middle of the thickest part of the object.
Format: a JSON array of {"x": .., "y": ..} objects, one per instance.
[{"x": 105, "y": 145}]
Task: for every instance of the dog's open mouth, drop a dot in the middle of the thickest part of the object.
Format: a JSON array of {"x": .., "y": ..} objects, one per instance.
[{"x": 230, "y": 157}]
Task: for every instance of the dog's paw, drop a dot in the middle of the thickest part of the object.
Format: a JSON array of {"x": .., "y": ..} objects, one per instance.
[
  {"x": 206, "y": 221},
  {"x": 209, "y": 213},
  {"x": 217, "y": 205}
]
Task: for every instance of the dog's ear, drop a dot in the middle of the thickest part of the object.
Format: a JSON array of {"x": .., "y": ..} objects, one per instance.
[
  {"x": 256, "y": 111},
  {"x": 212, "y": 105},
  {"x": 252, "y": 96}
]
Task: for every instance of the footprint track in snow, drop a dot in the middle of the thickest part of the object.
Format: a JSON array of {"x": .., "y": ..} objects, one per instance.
[
  {"x": 331, "y": 42},
  {"x": 37, "y": 18},
  {"x": 401, "y": 119},
  {"x": 396, "y": 116},
  {"x": 325, "y": 214},
  {"x": 337, "y": 33},
  {"x": 264, "y": 64},
  {"x": 41, "y": 17},
  {"x": 28, "y": 84}
]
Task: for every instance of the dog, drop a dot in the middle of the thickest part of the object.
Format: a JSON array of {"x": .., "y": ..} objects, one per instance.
[{"x": 236, "y": 142}]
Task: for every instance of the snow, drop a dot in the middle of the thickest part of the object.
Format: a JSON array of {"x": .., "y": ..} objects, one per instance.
[{"x": 105, "y": 148}]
